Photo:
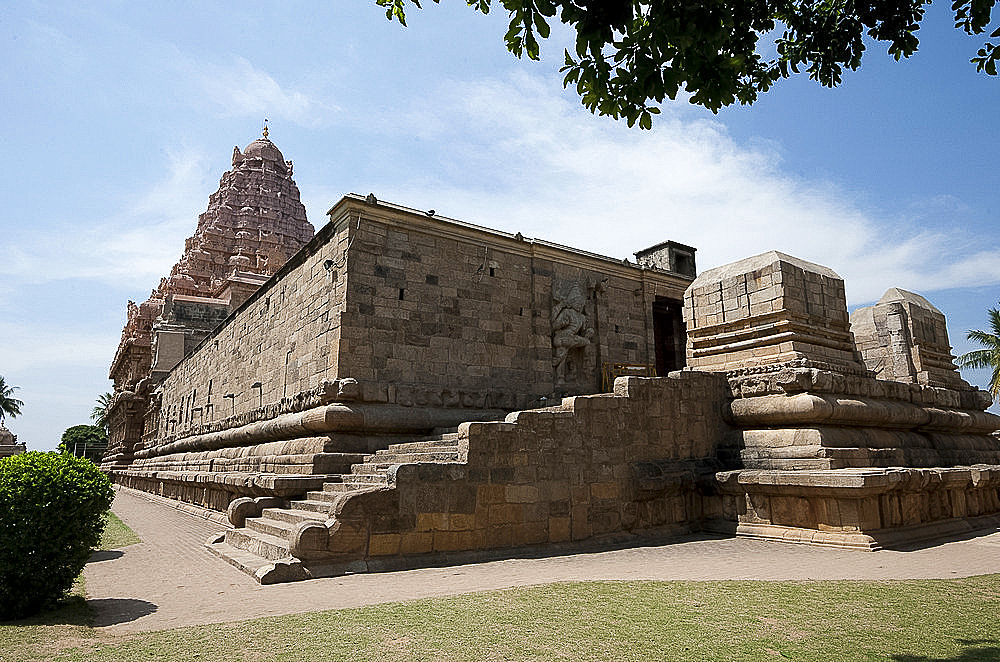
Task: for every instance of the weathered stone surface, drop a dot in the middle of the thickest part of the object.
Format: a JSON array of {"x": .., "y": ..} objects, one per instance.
[
  {"x": 400, "y": 315},
  {"x": 862, "y": 508},
  {"x": 904, "y": 338},
  {"x": 392, "y": 325},
  {"x": 594, "y": 466},
  {"x": 767, "y": 310}
]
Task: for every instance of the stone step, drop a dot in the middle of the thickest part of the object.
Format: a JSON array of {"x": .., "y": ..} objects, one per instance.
[
  {"x": 328, "y": 495},
  {"x": 271, "y": 527},
  {"x": 333, "y": 490},
  {"x": 292, "y": 515},
  {"x": 367, "y": 478},
  {"x": 409, "y": 446},
  {"x": 332, "y": 463},
  {"x": 316, "y": 505},
  {"x": 246, "y": 561},
  {"x": 265, "y": 571},
  {"x": 264, "y": 545},
  {"x": 417, "y": 450},
  {"x": 374, "y": 463}
]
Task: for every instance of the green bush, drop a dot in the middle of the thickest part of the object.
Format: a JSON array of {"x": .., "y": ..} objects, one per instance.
[{"x": 52, "y": 512}]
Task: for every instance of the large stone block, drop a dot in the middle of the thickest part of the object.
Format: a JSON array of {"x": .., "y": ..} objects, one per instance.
[{"x": 771, "y": 309}]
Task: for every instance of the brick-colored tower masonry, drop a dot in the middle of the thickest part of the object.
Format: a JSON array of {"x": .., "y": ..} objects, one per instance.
[{"x": 254, "y": 222}]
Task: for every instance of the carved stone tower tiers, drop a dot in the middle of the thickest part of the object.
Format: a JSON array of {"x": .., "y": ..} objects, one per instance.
[{"x": 254, "y": 222}]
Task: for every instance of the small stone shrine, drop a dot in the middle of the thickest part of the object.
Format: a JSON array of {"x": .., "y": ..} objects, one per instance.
[
  {"x": 829, "y": 453},
  {"x": 8, "y": 443}
]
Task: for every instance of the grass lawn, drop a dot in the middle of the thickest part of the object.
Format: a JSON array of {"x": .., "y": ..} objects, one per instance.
[{"x": 906, "y": 621}]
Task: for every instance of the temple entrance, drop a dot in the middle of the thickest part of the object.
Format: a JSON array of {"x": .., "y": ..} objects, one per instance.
[{"x": 669, "y": 337}]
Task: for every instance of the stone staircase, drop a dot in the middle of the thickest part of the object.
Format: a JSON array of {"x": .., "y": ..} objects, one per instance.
[{"x": 266, "y": 539}]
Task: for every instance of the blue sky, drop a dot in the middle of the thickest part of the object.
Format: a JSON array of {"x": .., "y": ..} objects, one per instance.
[{"x": 120, "y": 117}]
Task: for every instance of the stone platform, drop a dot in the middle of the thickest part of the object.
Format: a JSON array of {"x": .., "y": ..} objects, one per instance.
[{"x": 866, "y": 509}]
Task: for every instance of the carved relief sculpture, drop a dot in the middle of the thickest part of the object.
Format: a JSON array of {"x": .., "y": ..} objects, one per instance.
[{"x": 572, "y": 334}]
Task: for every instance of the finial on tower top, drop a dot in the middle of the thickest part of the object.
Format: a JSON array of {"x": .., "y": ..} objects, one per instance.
[{"x": 265, "y": 128}]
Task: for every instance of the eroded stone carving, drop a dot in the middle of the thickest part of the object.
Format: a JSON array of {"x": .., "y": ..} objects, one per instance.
[{"x": 572, "y": 333}]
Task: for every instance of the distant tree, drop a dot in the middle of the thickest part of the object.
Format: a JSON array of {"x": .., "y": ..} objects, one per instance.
[
  {"x": 100, "y": 413},
  {"x": 9, "y": 405},
  {"x": 631, "y": 54},
  {"x": 989, "y": 356},
  {"x": 88, "y": 441}
]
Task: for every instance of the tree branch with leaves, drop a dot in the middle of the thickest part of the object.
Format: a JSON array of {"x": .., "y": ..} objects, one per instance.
[
  {"x": 631, "y": 55},
  {"x": 987, "y": 358}
]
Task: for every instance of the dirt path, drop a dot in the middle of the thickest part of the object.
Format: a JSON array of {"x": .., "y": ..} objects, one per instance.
[{"x": 170, "y": 580}]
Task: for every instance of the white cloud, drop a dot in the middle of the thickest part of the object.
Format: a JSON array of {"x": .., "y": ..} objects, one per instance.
[
  {"x": 239, "y": 89},
  {"x": 140, "y": 241},
  {"x": 541, "y": 165}
]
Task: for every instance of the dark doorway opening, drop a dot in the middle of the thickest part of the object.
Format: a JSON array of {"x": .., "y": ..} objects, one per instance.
[{"x": 669, "y": 336}]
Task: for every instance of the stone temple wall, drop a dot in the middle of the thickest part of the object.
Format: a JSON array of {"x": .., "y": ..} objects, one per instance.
[
  {"x": 420, "y": 311},
  {"x": 446, "y": 314},
  {"x": 409, "y": 321},
  {"x": 284, "y": 338}
]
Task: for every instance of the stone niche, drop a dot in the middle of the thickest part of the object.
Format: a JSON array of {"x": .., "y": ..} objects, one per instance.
[
  {"x": 828, "y": 453},
  {"x": 572, "y": 316},
  {"x": 905, "y": 339}
]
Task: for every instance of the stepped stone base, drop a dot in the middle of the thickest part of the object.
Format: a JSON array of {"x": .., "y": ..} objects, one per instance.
[{"x": 859, "y": 508}]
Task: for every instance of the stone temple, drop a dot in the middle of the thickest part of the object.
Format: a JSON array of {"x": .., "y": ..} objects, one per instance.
[
  {"x": 253, "y": 224},
  {"x": 8, "y": 443},
  {"x": 403, "y": 389}
]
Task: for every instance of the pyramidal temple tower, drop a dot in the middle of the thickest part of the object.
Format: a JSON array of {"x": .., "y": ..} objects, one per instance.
[{"x": 254, "y": 222}]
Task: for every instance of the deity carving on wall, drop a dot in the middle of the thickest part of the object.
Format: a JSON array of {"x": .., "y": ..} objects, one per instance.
[{"x": 572, "y": 335}]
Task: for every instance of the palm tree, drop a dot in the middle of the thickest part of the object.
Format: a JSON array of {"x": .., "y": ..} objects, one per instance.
[
  {"x": 9, "y": 405},
  {"x": 989, "y": 356},
  {"x": 100, "y": 413}
]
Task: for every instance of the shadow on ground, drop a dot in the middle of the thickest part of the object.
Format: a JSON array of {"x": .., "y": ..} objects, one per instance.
[
  {"x": 977, "y": 650},
  {"x": 105, "y": 555},
  {"x": 934, "y": 542},
  {"x": 112, "y": 611}
]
